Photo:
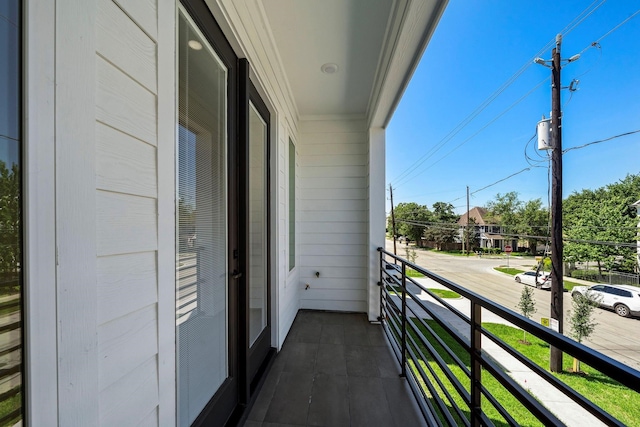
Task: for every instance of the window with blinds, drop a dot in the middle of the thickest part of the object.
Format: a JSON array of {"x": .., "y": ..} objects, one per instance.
[{"x": 201, "y": 232}]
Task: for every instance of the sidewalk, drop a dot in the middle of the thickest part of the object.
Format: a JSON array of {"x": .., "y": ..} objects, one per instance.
[{"x": 562, "y": 406}]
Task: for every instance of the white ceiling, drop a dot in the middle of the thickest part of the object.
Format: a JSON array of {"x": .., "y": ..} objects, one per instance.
[{"x": 349, "y": 33}]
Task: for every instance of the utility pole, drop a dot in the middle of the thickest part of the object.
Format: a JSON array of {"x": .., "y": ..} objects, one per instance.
[
  {"x": 468, "y": 222},
  {"x": 393, "y": 221},
  {"x": 555, "y": 360}
]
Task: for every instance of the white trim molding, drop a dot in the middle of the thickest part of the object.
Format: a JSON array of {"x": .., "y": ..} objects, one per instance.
[{"x": 40, "y": 356}]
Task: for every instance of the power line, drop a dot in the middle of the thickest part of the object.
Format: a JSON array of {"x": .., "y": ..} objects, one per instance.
[
  {"x": 597, "y": 42},
  {"x": 570, "y": 27},
  {"x": 528, "y": 236},
  {"x": 501, "y": 180},
  {"x": 601, "y": 140}
]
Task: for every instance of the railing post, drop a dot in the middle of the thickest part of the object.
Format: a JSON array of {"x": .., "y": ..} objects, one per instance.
[
  {"x": 476, "y": 366},
  {"x": 381, "y": 285},
  {"x": 403, "y": 372}
]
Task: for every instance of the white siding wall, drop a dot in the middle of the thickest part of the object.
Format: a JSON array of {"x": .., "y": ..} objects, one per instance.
[
  {"x": 112, "y": 200},
  {"x": 333, "y": 214},
  {"x": 126, "y": 205}
]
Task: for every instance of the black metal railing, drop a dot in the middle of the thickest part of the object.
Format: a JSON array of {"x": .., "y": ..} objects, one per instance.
[{"x": 426, "y": 351}]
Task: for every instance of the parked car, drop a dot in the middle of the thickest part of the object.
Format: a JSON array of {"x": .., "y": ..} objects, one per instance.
[
  {"x": 540, "y": 280},
  {"x": 623, "y": 299}
]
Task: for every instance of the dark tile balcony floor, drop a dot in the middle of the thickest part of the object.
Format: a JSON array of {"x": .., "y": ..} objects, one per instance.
[{"x": 334, "y": 369}]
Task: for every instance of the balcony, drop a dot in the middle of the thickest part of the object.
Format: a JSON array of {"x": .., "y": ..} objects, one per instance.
[{"x": 337, "y": 369}]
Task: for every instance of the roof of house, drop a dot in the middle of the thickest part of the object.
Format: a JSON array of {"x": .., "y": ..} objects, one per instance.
[{"x": 477, "y": 213}]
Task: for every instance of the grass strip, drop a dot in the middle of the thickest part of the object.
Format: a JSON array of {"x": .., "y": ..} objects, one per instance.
[
  {"x": 610, "y": 395},
  {"x": 508, "y": 401},
  {"x": 412, "y": 273},
  {"x": 508, "y": 270}
]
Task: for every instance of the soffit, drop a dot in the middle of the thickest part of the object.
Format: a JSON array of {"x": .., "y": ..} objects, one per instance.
[{"x": 350, "y": 33}]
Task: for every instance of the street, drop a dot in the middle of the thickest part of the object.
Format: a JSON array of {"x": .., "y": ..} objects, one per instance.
[{"x": 615, "y": 336}]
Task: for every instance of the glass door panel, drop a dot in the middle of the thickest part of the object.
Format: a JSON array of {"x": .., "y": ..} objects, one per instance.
[
  {"x": 257, "y": 224},
  {"x": 202, "y": 223}
]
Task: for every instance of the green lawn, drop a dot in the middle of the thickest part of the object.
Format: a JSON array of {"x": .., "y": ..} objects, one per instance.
[
  {"x": 568, "y": 285},
  {"x": 614, "y": 398},
  {"x": 444, "y": 293},
  {"x": 508, "y": 270},
  {"x": 516, "y": 409},
  {"x": 619, "y": 401},
  {"x": 412, "y": 273}
]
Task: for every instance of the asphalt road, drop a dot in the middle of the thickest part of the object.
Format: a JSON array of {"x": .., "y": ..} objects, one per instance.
[{"x": 615, "y": 336}]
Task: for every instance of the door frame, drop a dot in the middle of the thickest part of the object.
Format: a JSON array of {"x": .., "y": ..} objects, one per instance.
[
  {"x": 255, "y": 357},
  {"x": 226, "y": 401}
]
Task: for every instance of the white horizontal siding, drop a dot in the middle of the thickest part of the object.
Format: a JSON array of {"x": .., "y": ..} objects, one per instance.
[
  {"x": 333, "y": 194},
  {"x": 144, "y": 13},
  {"x": 151, "y": 420},
  {"x": 323, "y": 206},
  {"x": 125, "y": 343},
  {"x": 126, "y": 202},
  {"x": 337, "y": 183},
  {"x": 130, "y": 400},
  {"x": 333, "y": 160},
  {"x": 126, "y": 224},
  {"x": 342, "y": 249},
  {"x": 345, "y": 171},
  {"x": 124, "y": 164},
  {"x": 125, "y": 44},
  {"x": 126, "y": 283},
  {"x": 333, "y": 214},
  {"x": 346, "y": 229},
  {"x": 333, "y": 239},
  {"x": 124, "y": 104}
]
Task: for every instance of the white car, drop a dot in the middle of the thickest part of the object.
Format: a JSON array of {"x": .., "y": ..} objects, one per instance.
[
  {"x": 623, "y": 299},
  {"x": 542, "y": 281}
]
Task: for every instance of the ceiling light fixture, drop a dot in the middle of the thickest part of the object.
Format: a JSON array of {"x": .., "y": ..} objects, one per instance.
[
  {"x": 195, "y": 44},
  {"x": 329, "y": 68}
]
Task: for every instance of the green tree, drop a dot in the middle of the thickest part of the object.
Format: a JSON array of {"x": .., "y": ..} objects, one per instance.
[
  {"x": 532, "y": 220},
  {"x": 411, "y": 254},
  {"x": 411, "y": 219},
  {"x": 470, "y": 234},
  {"x": 504, "y": 211},
  {"x": 602, "y": 215},
  {"x": 445, "y": 227},
  {"x": 527, "y": 306},
  {"x": 581, "y": 320}
]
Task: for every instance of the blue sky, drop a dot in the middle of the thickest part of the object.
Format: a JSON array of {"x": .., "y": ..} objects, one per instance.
[{"x": 477, "y": 48}]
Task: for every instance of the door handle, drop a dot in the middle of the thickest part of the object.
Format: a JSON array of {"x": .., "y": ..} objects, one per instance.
[{"x": 236, "y": 274}]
